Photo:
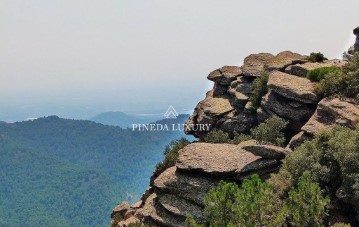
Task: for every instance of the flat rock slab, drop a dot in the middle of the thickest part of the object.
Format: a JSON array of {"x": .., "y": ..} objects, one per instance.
[
  {"x": 330, "y": 112},
  {"x": 302, "y": 69},
  {"x": 255, "y": 64},
  {"x": 215, "y": 159},
  {"x": 265, "y": 151},
  {"x": 283, "y": 60},
  {"x": 225, "y": 75},
  {"x": 292, "y": 87}
]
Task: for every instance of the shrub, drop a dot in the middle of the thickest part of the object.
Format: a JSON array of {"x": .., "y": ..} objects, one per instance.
[
  {"x": 217, "y": 136},
  {"x": 343, "y": 82},
  {"x": 239, "y": 138},
  {"x": 219, "y": 204},
  {"x": 316, "y": 57},
  {"x": 318, "y": 74},
  {"x": 332, "y": 158},
  {"x": 259, "y": 88},
  {"x": 255, "y": 204},
  {"x": 190, "y": 222},
  {"x": 171, "y": 155},
  {"x": 270, "y": 131},
  {"x": 306, "y": 204}
]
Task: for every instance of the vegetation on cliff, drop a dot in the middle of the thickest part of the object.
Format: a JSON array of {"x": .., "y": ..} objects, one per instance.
[
  {"x": 259, "y": 88},
  {"x": 270, "y": 131},
  {"x": 342, "y": 82},
  {"x": 256, "y": 204}
]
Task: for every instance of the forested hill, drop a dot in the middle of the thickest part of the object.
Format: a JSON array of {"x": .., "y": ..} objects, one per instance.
[{"x": 60, "y": 172}]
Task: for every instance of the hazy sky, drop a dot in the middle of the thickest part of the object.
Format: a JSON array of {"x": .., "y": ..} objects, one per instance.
[{"x": 78, "y": 58}]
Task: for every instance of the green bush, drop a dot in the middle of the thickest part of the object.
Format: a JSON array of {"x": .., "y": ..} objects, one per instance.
[
  {"x": 316, "y": 57},
  {"x": 306, "y": 205},
  {"x": 219, "y": 203},
  {"x": 259, "y": 88},
  {"x": 343, "y": 82},
  {"x": 270, "y": 131},
  {"x": 171, "y": 155},
  {"x": 256, "y": 204},
  {"x": 217, "y": 136},
  {"x": 332, "y": 158},
  {"x": 318, "y": 74},
  {"x": 239, "y": 138}
]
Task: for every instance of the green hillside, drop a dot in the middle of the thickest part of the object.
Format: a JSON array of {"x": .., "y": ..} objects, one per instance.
[{"x": 60, "y": 172}]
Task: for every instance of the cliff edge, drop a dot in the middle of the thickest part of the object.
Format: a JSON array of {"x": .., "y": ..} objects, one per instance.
[{"x": 179, "y": 191}]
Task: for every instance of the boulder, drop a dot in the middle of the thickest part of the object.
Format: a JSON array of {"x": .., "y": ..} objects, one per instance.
[
  {"x": 192, "y": 187},
  {"x": 332, "y": 111},
  {"x": 266, "y": 151},
  {"x": 181, "y": 207},
  {"x": 208, "y": 111},
  {"x": 215, "y": 107},
  {"x": 283, "y": 60},
  {"x": 291, "y": 87},
  {"x": 298, "y": 113},
  {"x": 302, "y": 69},
  {"x": 225, "y": 75},
  {"x": 255, "y": 64}
]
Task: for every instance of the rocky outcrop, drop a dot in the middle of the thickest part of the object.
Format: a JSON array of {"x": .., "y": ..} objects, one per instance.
[
  {"x": 296, "y": 112},
  {"x": 294, "y": 88},
  {"x": 225, "y": 75},
  {"x": 333, "y": 111},
  {"x": 227, "y": 107},
  {"x": 255, "y": 64},
  {"x": 222, "y": 160},
  {"x": 180, "y": 190}
]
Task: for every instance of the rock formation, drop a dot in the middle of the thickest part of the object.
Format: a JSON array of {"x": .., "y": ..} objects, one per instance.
[{"x": 180, "y": 190}]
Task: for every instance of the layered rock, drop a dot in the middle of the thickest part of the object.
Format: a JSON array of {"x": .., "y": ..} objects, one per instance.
[
  {"x": 227, "y": 107},
  {"x": 256, "y": 64},
  {"x": 291, "y": 87},
  {"x": 180, "y": 190},
  {"x": 333, "y": 111}
]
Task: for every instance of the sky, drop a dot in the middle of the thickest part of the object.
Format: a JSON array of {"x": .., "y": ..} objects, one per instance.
[{"x": 78, "y": 58}]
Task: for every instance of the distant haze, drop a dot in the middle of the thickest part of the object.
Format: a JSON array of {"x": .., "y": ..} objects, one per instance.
[{"x": 78, "y": 58}]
